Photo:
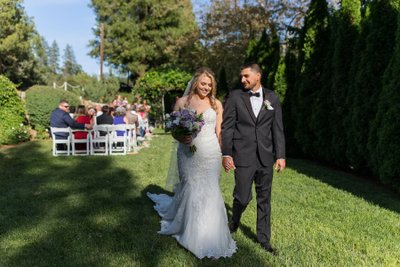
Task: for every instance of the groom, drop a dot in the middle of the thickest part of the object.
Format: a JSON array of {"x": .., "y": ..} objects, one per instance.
[{"x": 252, "y": 138}]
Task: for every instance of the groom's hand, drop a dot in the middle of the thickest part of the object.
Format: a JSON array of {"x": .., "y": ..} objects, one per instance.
[
  {"x": 280, "y": 164},
  {"x": 227, "y": 163}
]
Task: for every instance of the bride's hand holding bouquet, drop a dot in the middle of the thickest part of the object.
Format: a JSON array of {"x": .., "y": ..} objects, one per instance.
[{"x": 184, "y": 125}]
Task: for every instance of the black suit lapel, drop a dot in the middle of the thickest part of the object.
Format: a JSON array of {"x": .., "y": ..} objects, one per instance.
[
  {"x": 263, "y": 110},
  {"x": 246, "y": 100}
]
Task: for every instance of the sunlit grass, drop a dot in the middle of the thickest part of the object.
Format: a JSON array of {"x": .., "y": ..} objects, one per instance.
[{"x": 93, "y": 211}]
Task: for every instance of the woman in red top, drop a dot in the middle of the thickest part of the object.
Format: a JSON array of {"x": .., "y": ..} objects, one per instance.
[{"x": 82, "y": 117}]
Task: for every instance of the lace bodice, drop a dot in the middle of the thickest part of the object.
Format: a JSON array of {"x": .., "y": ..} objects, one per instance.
[{"x": 210, "y": 118}]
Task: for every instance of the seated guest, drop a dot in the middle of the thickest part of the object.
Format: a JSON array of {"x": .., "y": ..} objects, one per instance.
[
  {"x": 60, "y": 118},
  {"x": 91, "y": 112},
  {"x": 72, "y": 110},
  {"x": 98, "y": 110},
  {"x": 111, "y": 112},
  {"x": 82, "y": 117},
  {"x": 143, "y": 123},
  {"x": 104, "y": 118},
  {"x": 120, "y": 118},
  {"x": 132, "y": 116}
]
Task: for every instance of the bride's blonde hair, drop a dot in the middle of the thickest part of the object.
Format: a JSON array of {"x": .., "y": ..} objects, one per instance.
[{"x": 195, "y": 83}]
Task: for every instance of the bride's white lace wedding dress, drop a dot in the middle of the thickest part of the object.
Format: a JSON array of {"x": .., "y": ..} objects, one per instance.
[{"x": 196, "y": 214}]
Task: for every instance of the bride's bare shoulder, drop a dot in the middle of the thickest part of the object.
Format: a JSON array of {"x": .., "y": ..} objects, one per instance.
[{"x": 180, "y": 103}]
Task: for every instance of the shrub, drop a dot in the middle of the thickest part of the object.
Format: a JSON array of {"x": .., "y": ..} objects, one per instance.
[
  {"x": 155, "y": 84},
  {"x": 90, "y": 88},
  {"x": 42, "y": 100},
  {"x": 12, "y": 114}
]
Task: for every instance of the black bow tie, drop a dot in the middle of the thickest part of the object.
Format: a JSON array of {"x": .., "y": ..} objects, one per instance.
[{"x": 254, "y": 94}]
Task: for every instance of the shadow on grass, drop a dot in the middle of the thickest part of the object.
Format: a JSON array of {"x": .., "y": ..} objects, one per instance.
[
  {"x": 84, "y": 211},
  {"x": 357, "y": 186},
  {"x": 71, "y": 211},
  {"x": 245, "y": 229}
]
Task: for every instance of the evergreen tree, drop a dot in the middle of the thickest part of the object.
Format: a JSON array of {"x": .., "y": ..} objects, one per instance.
[
  {"x": 266, "y": 52},
  {"x": 348, "y": 22},
  {"x": 222, "y": 84},
  {"x": 143, "y": 34},
  {"x": 280, "y": 85},
  {"x": 40, "y": 48},
  {"x": 319, "y": 120},
  {"x": 70, "y": 66},
  {"x": 383, "y": 143},
  {"x": 54, "y": 57},
  {"x": 368, "y": 80},
  {"x": 17, "y": 34},
  {"x": 290, "y": 100},
  {"x": 314, "y": 41}
]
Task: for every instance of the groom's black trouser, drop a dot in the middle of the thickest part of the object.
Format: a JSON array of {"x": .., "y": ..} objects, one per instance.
[{"x": 262, "y": 177}]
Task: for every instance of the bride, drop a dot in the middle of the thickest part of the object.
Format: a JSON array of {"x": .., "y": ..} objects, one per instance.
[{"x": 196, "y": 214}]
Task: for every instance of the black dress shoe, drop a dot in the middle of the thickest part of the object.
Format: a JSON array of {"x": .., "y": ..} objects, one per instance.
[
  {"x": 233, "y": 227},
  {"x": 267, "y": 247}
]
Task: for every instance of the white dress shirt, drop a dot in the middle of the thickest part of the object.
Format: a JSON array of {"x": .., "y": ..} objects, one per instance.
[{"x": 256, "y": 102}]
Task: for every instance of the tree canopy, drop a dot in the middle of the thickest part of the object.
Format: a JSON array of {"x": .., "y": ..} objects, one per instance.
[
  {"x": 140, "y": 35},
  {"x": 17, "y": 37}
]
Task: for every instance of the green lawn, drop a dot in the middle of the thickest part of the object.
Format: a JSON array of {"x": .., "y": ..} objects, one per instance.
[{"x": 93, "y": 211}]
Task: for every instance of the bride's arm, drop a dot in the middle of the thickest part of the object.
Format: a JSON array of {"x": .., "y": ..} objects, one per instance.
[
  {"x": 218, "y": 123},
  {"x": 180, "y": 103}
]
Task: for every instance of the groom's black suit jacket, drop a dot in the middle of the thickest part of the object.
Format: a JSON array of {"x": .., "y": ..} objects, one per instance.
[{"x": 245, "y": 136}]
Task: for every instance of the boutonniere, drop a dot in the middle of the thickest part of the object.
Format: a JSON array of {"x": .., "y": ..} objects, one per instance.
[{"x": 268, "y": 105}]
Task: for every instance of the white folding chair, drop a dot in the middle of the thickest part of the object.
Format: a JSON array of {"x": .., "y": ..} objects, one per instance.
[
  {"x": 99, "y": 140},
  {"x": 86, "y": 141},
  {"x": 118, "y": 143},
  {"x": 132, "y": 141},
  {"x": 61, "y": 147}
]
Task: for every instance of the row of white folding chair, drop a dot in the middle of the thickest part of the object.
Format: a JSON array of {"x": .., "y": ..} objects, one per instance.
[
  {"x": 102, "y": 140},
  {"x": 67, "y": 146}
]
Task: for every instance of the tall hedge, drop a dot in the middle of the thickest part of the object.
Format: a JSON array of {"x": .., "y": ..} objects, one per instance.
[
  {"x": 42, "y": 100},
  {"x": 382, "y": 23},
  {"x": 289, "y": 102},
  {"x": 12, "y": 114},
  {"x": 343, "y": 102},
  {"x": 383, "y": 142},
  {"x": 266, "y": 52},
  {"x": 314, "y": 43},
  {"x": 347, "y": 32}
]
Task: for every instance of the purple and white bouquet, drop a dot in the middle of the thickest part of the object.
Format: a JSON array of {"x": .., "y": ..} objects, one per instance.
[{"x": 184, "y": 122}]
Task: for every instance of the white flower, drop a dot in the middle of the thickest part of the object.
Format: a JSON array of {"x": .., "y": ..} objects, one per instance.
[
  {"x": 176, "y": 121},
  {"x": 268, "y": 105}
]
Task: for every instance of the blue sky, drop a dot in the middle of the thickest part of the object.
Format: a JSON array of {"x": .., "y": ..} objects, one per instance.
[
  {"x": 69, "y": 22},
  {"x": 66, "y": 22}
]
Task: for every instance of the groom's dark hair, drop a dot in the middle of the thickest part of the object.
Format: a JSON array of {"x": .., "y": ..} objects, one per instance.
[{"x": 253, "y": 66}]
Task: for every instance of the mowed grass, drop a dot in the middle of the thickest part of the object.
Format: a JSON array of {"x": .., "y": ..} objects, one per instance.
[{"x": 93, "y": 211}]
